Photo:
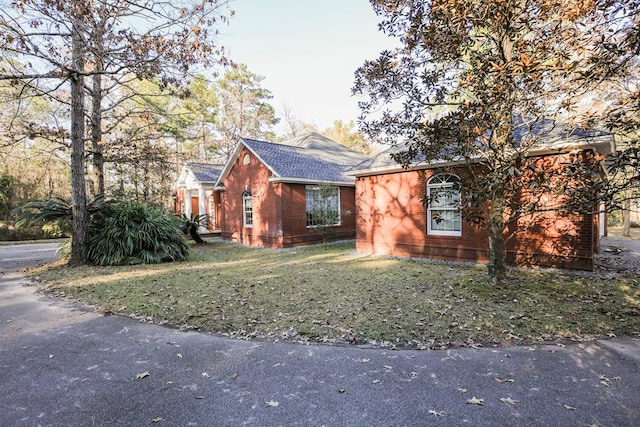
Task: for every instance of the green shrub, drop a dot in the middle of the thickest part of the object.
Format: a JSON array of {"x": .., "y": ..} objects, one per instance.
[
  {"x": 119, "y": 232},
  {"x": 134, "y": 233},
  {"x": 10, "y": 233}
]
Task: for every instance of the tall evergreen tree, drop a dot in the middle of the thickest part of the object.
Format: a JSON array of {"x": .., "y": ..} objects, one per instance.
[{"x": 68, "y": 41}]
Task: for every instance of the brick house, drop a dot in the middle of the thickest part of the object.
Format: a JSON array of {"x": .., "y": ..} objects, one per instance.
[
  {"x": 393, "y": 220},
  {"x": 269, "y": 191},
  {"x": 194, "y": 193}
]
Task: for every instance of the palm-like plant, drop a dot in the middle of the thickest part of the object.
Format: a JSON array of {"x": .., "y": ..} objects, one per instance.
[
  {"x": 134, "y": 233},
  {"x": 191, "y": 225},
  {"x": 119, "y": 232},
  {"x": 51, "y": 210}
]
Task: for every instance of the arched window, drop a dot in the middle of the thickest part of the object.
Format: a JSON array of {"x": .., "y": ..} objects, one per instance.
[
  {"x": 247, "y": 209},
  {"x": 444, "y": 216}
]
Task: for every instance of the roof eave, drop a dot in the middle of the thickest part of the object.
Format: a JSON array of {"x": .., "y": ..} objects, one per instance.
[
  {"x": 305, "y": 181},
  {"x": 399, "y": 168},
  {"x": 604, "y": 144}
]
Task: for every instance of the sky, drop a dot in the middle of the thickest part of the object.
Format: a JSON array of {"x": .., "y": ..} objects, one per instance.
[{"x": 307, "y": 51}]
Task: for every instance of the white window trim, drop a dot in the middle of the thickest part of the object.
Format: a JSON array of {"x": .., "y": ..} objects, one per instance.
[
  {"x": 429, "y": 209},
  {"x": 316, "y": 188},
  {"x": 246, "y": 195}
]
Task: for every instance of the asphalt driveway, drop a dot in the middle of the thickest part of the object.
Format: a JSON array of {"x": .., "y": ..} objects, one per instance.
[{"x": 64, "y": 366}]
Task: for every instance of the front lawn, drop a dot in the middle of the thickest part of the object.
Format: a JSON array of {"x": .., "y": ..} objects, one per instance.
[{"x": 336, "y": 295}]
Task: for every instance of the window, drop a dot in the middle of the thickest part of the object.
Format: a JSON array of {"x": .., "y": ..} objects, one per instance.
[
  {"x": 247, "y": 209},
  {"x": 246, "y": 159},
  {"x": 323, "y": 206},
  {"x": 443, "y": 214}
]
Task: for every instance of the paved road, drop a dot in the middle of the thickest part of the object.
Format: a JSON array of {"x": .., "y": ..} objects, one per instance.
[
  {"x": 61, "y": 366},
  {"x": 18, "y": 257}
]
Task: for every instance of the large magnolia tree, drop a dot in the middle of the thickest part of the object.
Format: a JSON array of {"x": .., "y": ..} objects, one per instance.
[
  {"x": 467, "y": 72},
  {"x": 86, "y": 44}
]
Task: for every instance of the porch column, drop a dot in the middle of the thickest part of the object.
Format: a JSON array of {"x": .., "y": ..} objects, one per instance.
[
  {"x": 202, "y": 207},
  {"x": 187, "y": 203}
]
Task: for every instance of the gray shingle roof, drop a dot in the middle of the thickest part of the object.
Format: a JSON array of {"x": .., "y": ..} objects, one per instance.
[
  {"x": 545, "y": 134},
  {"x": 327, "y": 149},
  {"x": 205, "y": 172},
  {"x": 309, "y": 158}
]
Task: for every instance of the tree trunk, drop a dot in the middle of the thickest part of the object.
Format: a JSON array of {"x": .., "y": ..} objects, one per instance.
[
  {"x": 497, "y": 266},
  {"x": 78, "y": 190},
  {"x": 193, "y": 232},
  {"x": 96, "y": 134},
  {"x": 626, "y": 215}
]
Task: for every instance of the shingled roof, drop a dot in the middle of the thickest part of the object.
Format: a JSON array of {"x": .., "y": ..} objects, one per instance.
[
  {"x": 546, "y": 136},
  {"x": 196, "y": 174},
  {"x": 205, "y": 172},
  {"x": 310, "y": 158}
]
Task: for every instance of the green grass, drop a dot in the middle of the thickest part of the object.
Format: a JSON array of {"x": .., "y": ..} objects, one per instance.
[{"x": 335, "y": 295}]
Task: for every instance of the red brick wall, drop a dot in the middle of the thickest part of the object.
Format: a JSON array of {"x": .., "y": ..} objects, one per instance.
[
  {"x": 391, "y": 219},
  {"x": 279, "y": 209},
  {"x": 179, "y": 198}
]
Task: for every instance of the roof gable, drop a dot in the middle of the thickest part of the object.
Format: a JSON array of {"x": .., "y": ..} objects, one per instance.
[
  {"x": 310, "y": 158},
  {"x": 195, "y": 174}
]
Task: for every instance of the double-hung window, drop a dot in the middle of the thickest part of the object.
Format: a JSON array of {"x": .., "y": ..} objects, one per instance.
[
  {"x": 444, "y": 216},
  {"x": 247, "y": 209},
  {"x": 323, "y": 206}
]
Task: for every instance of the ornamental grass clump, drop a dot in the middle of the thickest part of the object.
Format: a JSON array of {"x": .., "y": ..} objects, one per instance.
[{"x": 134, "y": 233}]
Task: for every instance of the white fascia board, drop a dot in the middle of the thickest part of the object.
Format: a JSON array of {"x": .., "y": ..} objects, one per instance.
[
  {"x": 398, "y": 168},
  {"x": 286, "y": 180},
  {"x": 229, "y": 164},
  {"x": 603, "y": 144},
  {"x": 232, "y": 159}
]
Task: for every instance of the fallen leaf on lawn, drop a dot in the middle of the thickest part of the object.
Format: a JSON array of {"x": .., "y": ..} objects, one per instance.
[
  {"x": 604, "y": 380},
  {"x": 51, "y": 356},
  {"x": 142, "y": 375},
  {"x": 508, "y": 400},
  {"x": 365, "y": 360},
  {"x": 234, "y": 376},
  {"x": 462, "y": 390},
  {"x": 571, "y": 408},
  {"x": 376, "y": 381},
  {"x": 205, "y": 375},
  {"x": 341, "y": 390},
  {"x": 199, "y": 397},
  {"x": 414, "y": 374},
  {"x": 475, "y": 401},
  {"x": 435, "y": 413},
  {"x": 387, "y": 367},
  {"x": 144, "y": 341},
  {"x": 156, "y": 420},
  {"x": 272, "y": 403},
  {"x": 502, "y": 379},
  {"x": 179, "y": 355},
  {"x": 617, "y": 378}
]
